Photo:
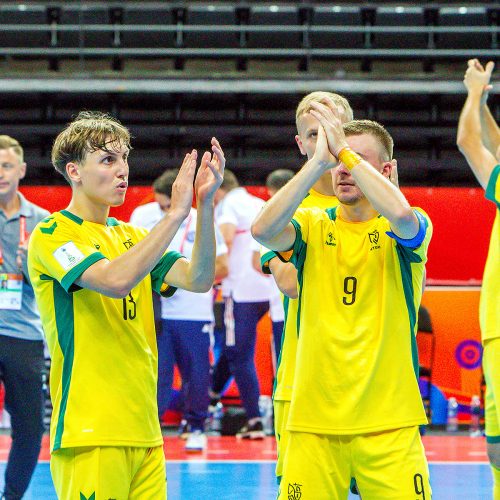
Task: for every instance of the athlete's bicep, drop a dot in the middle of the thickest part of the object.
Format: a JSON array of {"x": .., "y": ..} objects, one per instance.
[
  {"x": 284, "y": 240},
  {"x": 97, "y": 278},
  {"x": 481, "y": 161},
  {"x": 178, "y": 275}
]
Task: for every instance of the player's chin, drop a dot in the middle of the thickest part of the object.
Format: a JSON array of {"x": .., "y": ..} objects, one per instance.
[{"x": 117, "y": 201}]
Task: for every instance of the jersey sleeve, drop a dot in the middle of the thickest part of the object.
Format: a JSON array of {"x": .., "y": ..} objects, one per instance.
[
  {"x": 300, "y": 221},
  {"x": 163, "y": 266},
  {"x": 493, "y": 187},
  {"x": 59, "y": 253},
  {"x": 413, "y": 252},
  {"x": 266, "y": 256},
  {"x": 160, "y": 271}
]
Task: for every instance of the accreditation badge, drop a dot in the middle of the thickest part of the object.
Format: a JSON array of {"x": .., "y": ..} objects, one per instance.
[{"x": 11, "y": 291}]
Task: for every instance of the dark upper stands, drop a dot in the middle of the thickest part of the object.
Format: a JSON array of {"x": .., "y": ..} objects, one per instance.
[{"x": 230, "y": 42}]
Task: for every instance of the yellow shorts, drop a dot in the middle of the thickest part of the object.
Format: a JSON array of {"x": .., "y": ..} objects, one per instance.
[
  {"x": 101, "y": 473},
  {"x": 491, "y": 367},
  {"x": 388, "y": 465},
  {"x": 281, "y": 409}
]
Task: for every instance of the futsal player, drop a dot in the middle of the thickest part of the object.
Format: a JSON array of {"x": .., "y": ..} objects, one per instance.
[
  {"x": 321, "y": 196},
  {"x": 479, "y": 140},
  {"x": 93, "y": 278},
  {"x": 356, "y": 406}
]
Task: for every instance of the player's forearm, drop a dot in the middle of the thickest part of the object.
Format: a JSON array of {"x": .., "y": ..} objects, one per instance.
[
  {"x": 278, "y": 211},
  {"x": 469, "y": 124},
  {"x": 469, "y": 139},
  {"x": 386, "y": 199},
  {"x": 201, "y": 268},
  {"x": 285, "y": 276},
  {"x": 490, "y": 132},
  {"x": 117, "y": 277}
]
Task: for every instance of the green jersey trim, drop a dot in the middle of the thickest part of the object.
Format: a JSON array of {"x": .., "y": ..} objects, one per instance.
[
  {"x": 332, "y": 212},
  {"x": 264, "y": 261},
  {"x": 286, "y": 303},
  {"x": 409, "y": 293},
  {"x": 69, "y": 279},
  {"x": 298, "y": 259},
  {"x": 64, "y": 316},
  {"x": 111, "y": 221},
  {"x": 72, "y": 217},
  {"x": 160, "y": 271},
  {"x": 491, "y": 187}
]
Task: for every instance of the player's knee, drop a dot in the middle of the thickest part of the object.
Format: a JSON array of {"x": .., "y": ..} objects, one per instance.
[{"x": 493, "y": 450}]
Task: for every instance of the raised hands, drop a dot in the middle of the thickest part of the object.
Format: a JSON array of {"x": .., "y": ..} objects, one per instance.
[
  {"x": 208, "y": 179},
  {"x": 477, "y": 78},
  {"x": 210, "y": 174},
  {"x": 330, "y": 128},
  {"x": 182, "y": 188}
]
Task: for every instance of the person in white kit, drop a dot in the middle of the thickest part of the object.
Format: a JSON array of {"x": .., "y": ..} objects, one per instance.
[
  {"x": 187, "y": 320},
  {"x": 246, "y": 299}
]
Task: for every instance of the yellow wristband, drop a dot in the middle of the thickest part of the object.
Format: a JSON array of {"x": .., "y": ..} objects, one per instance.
[{"x": 349, "y": 158}]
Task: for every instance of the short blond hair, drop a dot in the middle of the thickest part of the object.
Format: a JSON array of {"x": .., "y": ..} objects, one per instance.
[
  {"x": 377, "y": 130},
  {"x": 7, "y": 142},
  {"x": 320, "y": 96},
  {"x": 88, "y": 132}
]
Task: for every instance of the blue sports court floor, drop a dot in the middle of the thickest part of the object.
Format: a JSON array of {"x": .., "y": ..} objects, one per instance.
[
  {"x": 458, "y": 466},
  {"x": 231, "y": 480}
]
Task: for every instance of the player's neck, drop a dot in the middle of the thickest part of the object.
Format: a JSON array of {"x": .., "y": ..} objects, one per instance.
[
  {"x": 359, "y": 212},
  {"x": 10, "y": 204},
  {"x": 88, "y": 211},
  {"x": 324, "y": 185}
]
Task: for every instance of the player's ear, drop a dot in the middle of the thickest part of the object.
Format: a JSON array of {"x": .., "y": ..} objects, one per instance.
[
  {"x": 73, "y": 171},
  {"x": 298, "y": 140},
  {"x": 23, "y": 170},
  {"x": 387, "y": 168}
]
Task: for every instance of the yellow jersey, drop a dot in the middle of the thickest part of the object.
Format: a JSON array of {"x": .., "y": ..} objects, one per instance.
[
  {"x": 104, "y": 358},
  {"x": 489, "y": 305},
  {"x": 359, "y": 293},
  {"x": 283, "y": 382}
]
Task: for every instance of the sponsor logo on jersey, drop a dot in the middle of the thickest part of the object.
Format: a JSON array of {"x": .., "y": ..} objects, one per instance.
[
  {"x": 374, "y": 238},
  {"x": 128, "y": 243},
  {"x": 330, "y": 240}
]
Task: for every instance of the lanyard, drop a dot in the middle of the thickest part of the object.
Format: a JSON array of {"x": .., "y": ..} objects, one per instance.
[
  {"x": 184, "y": 236},
  {"x": 22, "y": 236}
]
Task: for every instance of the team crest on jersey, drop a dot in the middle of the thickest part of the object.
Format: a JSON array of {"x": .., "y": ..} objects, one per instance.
[
  {"x": 374, "y": 239},
  {"x": 330, "y": 240},
  {"x": 128, "y": 243},
  {"x": 294, "y": 491}
]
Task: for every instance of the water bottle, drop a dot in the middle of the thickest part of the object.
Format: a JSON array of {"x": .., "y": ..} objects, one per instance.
[
  {"x": 452, "y": 421},
  {"x": 266, "y": 412},
  {"x": 216, "y": 422},
  {"x": 475, "y": 417}
]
